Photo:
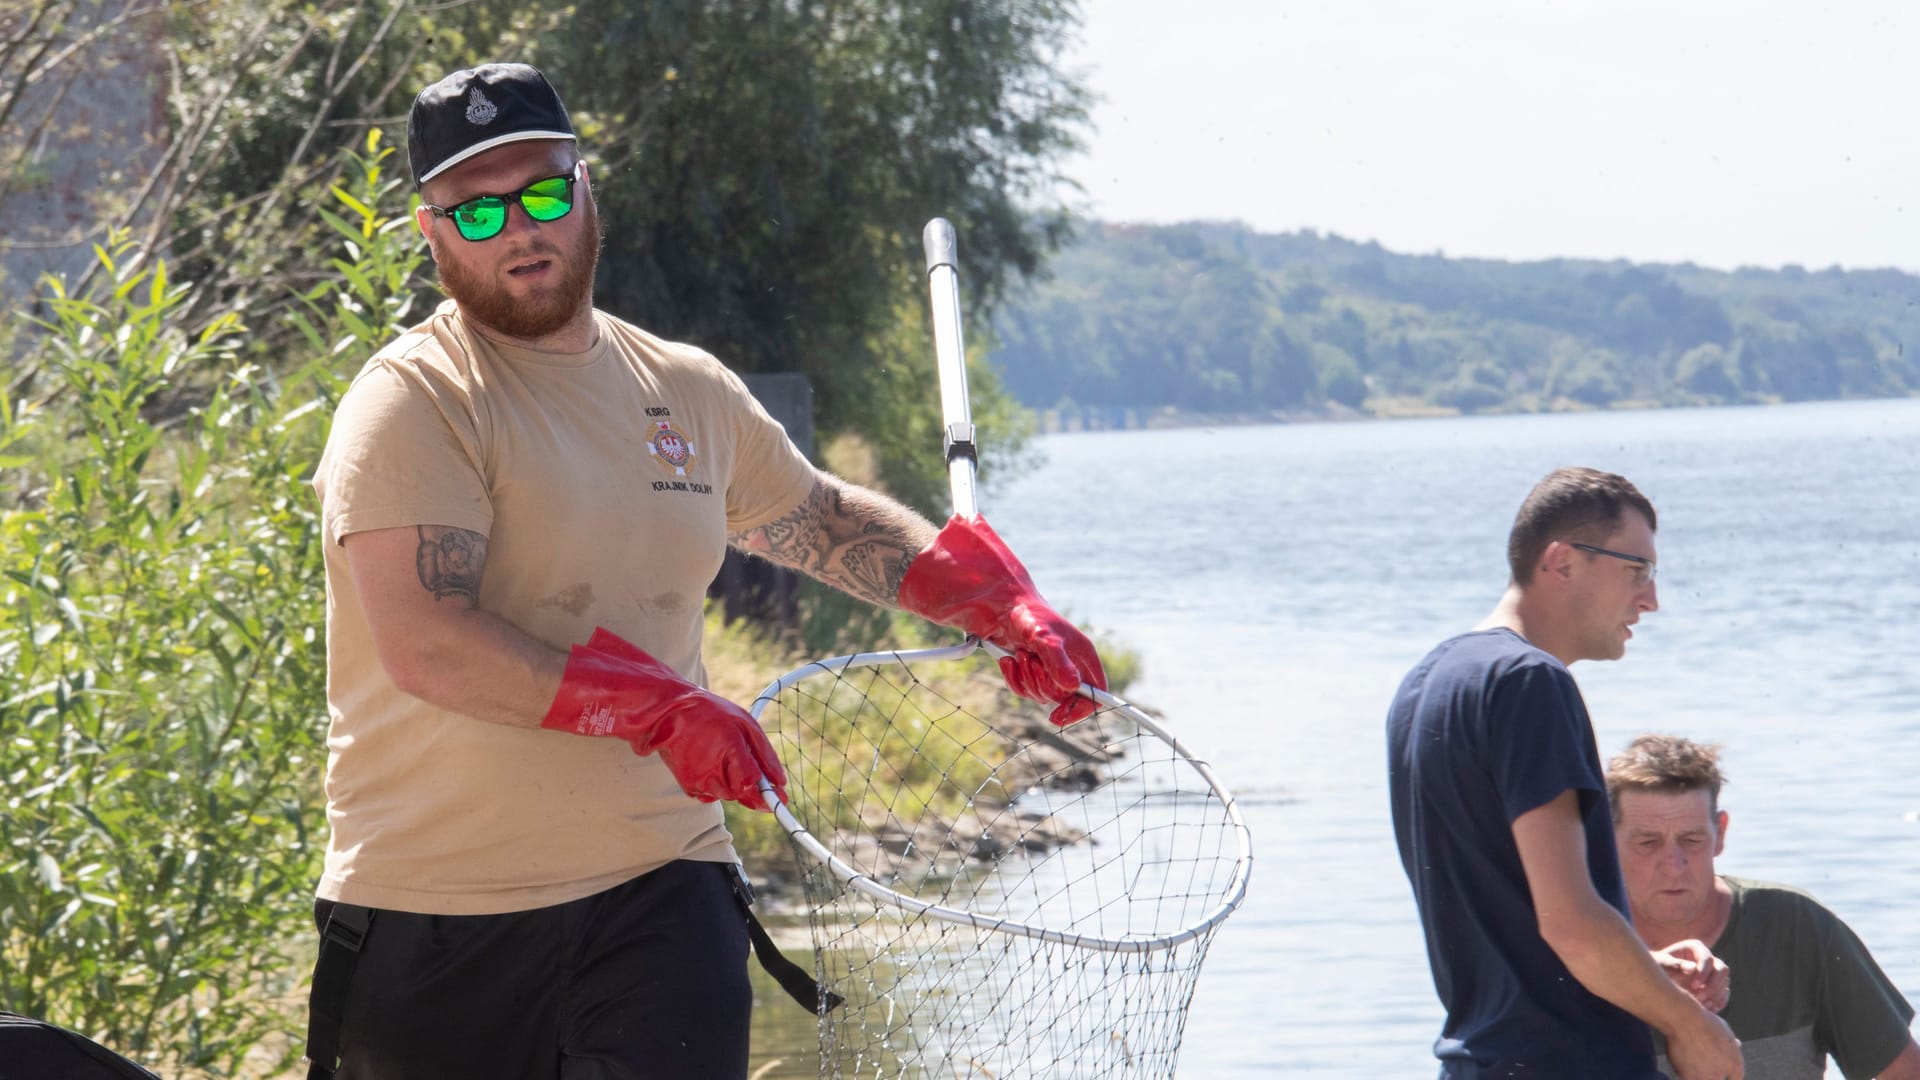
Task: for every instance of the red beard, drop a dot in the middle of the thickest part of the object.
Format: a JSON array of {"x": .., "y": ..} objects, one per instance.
[{"x": 485, "y": 301}]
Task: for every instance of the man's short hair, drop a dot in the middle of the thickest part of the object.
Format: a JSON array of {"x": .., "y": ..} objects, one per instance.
[
  {"x": 1570, "y": 504},
  {"x": 1665, "y": 765}
]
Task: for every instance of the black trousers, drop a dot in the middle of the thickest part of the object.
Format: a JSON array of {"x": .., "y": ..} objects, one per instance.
[{"x": 645, "y": 981}]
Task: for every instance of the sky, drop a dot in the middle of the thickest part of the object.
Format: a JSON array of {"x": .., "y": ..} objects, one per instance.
[{"x": 1723, "y": 133}]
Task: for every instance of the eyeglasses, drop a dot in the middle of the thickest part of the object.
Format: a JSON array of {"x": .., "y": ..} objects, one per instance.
[
  {"x": 1647, "y": 567},
  {"x": 483, "y": 216}
]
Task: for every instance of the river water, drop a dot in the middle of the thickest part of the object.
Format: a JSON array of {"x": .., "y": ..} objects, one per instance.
[{"x": 1277, "y": 582}]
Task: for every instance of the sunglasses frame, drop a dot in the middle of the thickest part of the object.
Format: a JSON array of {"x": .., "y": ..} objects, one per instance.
[
  {"x": 507, "y": 199},
  {"x": 1647, "y": 566}
]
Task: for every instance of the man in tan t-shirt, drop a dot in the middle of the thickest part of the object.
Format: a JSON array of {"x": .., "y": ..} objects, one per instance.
[{"x": 525, "y": 500}]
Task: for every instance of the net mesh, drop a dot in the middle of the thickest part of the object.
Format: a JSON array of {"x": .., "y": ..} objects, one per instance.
[{"x": 1100, "y": 832}]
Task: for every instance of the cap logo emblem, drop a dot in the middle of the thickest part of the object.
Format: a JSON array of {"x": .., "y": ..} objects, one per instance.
[{"x": 480, "y": 111}]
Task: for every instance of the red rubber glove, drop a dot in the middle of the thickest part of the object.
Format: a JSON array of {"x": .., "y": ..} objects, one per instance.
[
  {"x": 714, "y": 748},
  {"x": 969, "y": 579}
]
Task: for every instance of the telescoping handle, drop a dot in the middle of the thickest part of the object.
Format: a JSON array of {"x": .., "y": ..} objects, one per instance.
[
  {"x": 963, "y": 456},
  {"x": 943, "y": 282}
]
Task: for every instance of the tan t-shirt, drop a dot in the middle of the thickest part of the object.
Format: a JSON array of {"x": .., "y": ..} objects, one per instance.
[{"x": 606, "y": 484}]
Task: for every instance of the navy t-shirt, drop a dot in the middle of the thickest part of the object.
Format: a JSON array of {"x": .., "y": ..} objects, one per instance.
[{"x": 1484, "y": 729}]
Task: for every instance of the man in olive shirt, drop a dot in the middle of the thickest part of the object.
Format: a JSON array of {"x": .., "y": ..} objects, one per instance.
[{"x": 1804, "y": 987}]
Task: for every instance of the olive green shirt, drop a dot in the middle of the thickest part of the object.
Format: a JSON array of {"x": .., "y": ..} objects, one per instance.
[{"x": 1804, "y": 987}]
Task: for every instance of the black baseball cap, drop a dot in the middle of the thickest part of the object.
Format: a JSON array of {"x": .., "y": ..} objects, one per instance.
[{"x": 478, "y": 109}]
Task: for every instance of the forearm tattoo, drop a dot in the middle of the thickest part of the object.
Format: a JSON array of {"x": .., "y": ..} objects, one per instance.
[
  {"x": 848, "y": 537},
  {"x": 449, "y": 562}
]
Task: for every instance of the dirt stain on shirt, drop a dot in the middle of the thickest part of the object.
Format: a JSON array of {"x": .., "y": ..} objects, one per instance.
[{"x": 574, "y": 599}]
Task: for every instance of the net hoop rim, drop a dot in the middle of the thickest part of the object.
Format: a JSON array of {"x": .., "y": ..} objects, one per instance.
[{"x": 1236, "y": 891}]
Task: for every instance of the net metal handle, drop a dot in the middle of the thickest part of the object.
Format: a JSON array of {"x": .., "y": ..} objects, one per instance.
[{"x": 943, "y": 282}]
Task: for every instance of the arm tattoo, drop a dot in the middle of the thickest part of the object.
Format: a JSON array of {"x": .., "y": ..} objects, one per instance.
[
  {"x": 850, "y": 538},
  {"x": 449, "y": 562}
]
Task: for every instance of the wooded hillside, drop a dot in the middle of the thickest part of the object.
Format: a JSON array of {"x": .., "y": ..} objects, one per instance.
[{"x": 1219, "y": 318}]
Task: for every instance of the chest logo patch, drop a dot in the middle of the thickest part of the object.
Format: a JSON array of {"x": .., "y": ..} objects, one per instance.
[{"x": 671, "y": 447}]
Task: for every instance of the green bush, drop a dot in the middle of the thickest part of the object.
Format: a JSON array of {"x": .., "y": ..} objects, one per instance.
[{"x": 162, "y": 649}]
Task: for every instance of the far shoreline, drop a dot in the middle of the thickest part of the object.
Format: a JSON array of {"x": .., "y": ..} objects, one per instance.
[{"x": 1057, "y": 421}]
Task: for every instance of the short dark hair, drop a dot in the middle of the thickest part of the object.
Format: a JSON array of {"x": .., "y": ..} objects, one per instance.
[
  {"x": 1570, "y": 503},
  {"x": 1665, "y": 764}
]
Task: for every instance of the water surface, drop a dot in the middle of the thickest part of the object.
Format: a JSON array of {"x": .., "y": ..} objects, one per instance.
[{"x": 1278, "y": 581}]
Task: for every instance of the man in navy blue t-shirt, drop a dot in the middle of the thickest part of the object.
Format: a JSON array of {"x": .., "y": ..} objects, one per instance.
[{"x": 1500, "y": 809}]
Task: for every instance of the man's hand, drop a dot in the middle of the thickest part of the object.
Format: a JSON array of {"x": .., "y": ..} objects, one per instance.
[
  {"x": 1706, "y": 1050},
  {"x": 714, "y": 748},
  {"x": 968, "y": 578},
  {"x": 1693, "y": 968}
]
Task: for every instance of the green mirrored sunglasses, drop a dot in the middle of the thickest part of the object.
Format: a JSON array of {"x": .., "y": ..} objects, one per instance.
[{"x": 483, "y": 216}]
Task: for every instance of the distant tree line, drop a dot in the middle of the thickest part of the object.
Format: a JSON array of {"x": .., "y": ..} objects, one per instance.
[{"x": 1219, "y": 318}]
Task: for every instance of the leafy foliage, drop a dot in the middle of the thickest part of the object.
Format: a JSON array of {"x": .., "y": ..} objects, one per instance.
[
  {"x": 159, "y": 650},
  {"x": 766, "y": 169},
  {"x": 1220, "y": 318},
  {"x": 161, "y": 645}
]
